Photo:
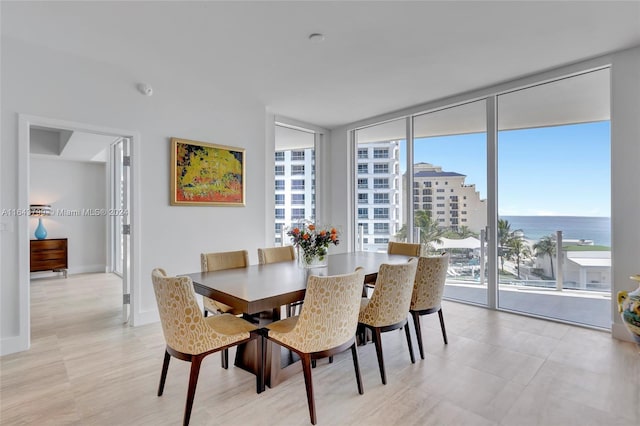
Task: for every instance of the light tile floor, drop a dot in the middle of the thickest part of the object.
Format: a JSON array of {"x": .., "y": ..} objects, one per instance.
[{"x": 86, "y": 368}]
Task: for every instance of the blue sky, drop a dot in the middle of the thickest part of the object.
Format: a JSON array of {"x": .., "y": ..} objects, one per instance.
[{"x": 549, "y": 171}]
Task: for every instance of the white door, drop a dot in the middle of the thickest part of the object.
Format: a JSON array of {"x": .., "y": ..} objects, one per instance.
[{"x": 120, "y": 215}]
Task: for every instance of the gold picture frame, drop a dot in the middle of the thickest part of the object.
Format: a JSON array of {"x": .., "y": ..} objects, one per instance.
[{"x": 206, "y": 174}]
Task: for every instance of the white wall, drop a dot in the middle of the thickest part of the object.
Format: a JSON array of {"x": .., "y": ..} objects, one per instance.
[
  {"x": 71, "y": 186},
  {"x": 46, "y": 83}
]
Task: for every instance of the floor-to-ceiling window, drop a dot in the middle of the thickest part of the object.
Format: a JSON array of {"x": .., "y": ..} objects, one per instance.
[
  {"x": 295, "y": 179},
  {"x": 554, "y": 191},
  {"x": 450, "y": 192},
  {"x": 519, "y": 195}
]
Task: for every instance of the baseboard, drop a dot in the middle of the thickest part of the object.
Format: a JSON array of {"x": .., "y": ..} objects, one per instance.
[
  {"x": 13, "y": 344},
  {"x": 88, "y": 269}
]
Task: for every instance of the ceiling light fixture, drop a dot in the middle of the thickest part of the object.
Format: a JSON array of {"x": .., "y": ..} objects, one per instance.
[{"x": 316, "y": 37}]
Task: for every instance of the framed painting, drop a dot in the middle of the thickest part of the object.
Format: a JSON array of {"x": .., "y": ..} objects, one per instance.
[{"x": 206, "y": 174}]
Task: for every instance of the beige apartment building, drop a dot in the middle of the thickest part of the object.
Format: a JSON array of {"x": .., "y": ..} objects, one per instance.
[{"x": 451, "y": 202}]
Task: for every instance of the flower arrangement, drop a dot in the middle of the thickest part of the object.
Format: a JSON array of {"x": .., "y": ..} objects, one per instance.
[{"x": 313, "y": 241}]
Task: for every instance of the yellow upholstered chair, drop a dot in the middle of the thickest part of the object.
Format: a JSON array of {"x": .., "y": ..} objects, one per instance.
[
  {"x": 408, "y": 249},
  {"x": 189, "y": 335},
  {"x": 217, "y": 262},
  {"x": 326, "y": 325},
  {"x": 387, "y": 309},
  {"x": 427, "y": 292},
  {"x": 275, "y": 255}
]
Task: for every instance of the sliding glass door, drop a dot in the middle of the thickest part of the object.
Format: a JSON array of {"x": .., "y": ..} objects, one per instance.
[
  {"x": 554, "y": 200},
  {"x": 449, "y": 190}
]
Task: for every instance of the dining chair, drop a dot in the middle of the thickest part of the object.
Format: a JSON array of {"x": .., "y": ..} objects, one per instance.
[
  {"x": 326, "y": 325},
  {"x": 428, "y": 289},
  {"x": 216, "y": 262},
  {"x": 189, "y": 336},
  {"x": 387, "y": 309},
  {"x": 275, "y": 255},
  {"x": 219, "y": 261},
  {"x": 408, "y": 249}
]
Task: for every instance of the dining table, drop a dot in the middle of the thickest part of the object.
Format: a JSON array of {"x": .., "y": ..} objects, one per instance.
[{"x": 260, "y": 288}]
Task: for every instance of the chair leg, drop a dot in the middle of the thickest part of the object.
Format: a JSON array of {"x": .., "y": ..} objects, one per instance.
[
  {"x": 378, "y": 342},
  {"x": 416, "y": 323},
  {"x": 191, "y": 392},
  {"x": 406, "y": 329},
  {"x": 444, "y": 331},
  {"x": 331, "y": 359},
  {"x": 163, "y": 375},
  {"x": 206, "y": 313},
  {"x": 356, "y": 366},
  {"x": 306, "y": 369},
  {"x": 225, "y": 358}
]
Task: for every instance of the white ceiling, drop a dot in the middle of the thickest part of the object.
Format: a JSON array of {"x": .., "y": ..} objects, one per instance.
[{"x": 377, "y": 56}]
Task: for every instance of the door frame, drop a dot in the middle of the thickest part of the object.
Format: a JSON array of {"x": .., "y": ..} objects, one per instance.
[{"x": 24, "y": 124}]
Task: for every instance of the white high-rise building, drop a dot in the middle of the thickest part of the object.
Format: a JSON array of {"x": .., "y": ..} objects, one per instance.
[
  {"x": 295, "y": 188},
  {"x": 379, "y": 215}
]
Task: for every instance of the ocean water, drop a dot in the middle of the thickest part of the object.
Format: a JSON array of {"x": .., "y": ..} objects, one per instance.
[{"x": 597, "y": 229}]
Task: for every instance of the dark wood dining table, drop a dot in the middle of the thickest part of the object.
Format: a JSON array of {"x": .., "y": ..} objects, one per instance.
[{"x": 260, "y": 288}]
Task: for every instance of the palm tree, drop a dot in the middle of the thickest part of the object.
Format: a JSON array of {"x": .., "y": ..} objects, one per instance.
[
  {"x": 504, "y": 233},
  {"x": 465, "y": 232},
  {"x": 401, "y": 235},
  {"x": 430, "y": 232},
  {"x": 546, "y": 247},
  {"x": 518, "y": 249}
]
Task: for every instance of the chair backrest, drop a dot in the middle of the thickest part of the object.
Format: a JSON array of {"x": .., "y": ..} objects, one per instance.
[
  {"x": 408, "y": 249},
  {"x": 276, "y": 254},
  {"x": 429, "y": 283},
  {"x": 224, "y": 260},
  {"x": 391, "y": 296},
  {"x": 182, "y": 321},
  {"x": 329, "y": 315}
]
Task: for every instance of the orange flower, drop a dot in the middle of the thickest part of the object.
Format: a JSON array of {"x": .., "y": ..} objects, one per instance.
[
  {"x": 312, "y": 227},
  {"x": 323, "y": 233},
  {"x": 333, "y": 237},
  {"x": 333, "y": 231},
  {"x": 295, "y": 231},
  {"x": 305, "y": 236}
]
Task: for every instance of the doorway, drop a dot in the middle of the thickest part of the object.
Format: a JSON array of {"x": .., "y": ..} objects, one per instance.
[{"x": 118, "y": 209}]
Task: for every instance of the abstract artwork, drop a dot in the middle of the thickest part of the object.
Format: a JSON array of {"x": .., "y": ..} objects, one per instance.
[{"x": 206, "y": 174}]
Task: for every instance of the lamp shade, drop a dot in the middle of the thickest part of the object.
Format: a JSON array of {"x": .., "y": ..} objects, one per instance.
[{"x": 40, "y": 210}]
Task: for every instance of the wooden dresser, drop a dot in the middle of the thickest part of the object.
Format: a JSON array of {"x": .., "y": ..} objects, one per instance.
[{"x": 49, "y": 255}]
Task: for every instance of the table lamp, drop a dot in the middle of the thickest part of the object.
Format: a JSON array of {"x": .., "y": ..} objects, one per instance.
[{"x": 40, "y": 210}]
